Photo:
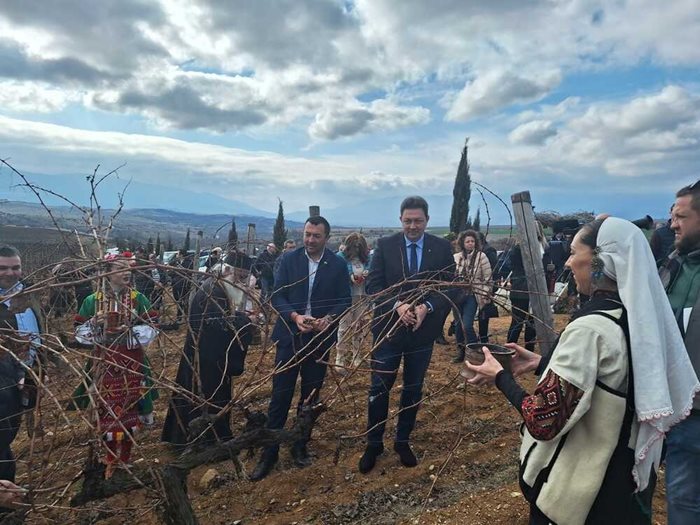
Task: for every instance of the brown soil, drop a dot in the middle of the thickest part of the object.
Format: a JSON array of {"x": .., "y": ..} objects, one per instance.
[{"x": 466, "y": 440}]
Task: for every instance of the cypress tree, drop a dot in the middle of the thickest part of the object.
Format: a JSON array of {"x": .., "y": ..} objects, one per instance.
[
  {"x": 461, "y": 193},
  {"x": 186, "y": 246},
  {"x": 477, "y": 220},
  {"x": 158, "y": 243},
  {"x": 279, "y": 233},
  {"x": 233, "y": 234}
]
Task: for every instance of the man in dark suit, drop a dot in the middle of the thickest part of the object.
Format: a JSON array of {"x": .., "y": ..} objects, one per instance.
[
  {"x": 409, "y": 279},
  {"x": 312, "y": 290}
]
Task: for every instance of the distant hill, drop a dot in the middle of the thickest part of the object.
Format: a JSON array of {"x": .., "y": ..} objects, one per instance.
[
  {"x": 140, "y": 223},
  {"x": 138, "y": 195},
  {"x": 380, "y": 212}
]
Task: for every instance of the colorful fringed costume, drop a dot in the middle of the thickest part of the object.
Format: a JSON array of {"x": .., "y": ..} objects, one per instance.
[{"x": 119, "y": 381}]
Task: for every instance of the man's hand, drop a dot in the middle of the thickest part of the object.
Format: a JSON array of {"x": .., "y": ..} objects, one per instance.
[
  {"x": 305, "y": 323},
  {"x": 322, "y": 324},
  {"x": 421, "y": 311},
  {"x": 10, "y": 493},
  {"x": 407, "y": 315}
]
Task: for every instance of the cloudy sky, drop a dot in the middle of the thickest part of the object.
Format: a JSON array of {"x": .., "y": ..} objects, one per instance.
[{"x": 589, "y": 104}]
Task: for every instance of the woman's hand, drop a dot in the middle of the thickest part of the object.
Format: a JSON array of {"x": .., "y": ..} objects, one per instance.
[
  {"x": 523, "y": 361},
  {"x": 485, "y": 373}
]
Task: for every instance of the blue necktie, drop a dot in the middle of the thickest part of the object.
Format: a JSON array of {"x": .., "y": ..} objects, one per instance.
[{"x": 413, "y": 261}]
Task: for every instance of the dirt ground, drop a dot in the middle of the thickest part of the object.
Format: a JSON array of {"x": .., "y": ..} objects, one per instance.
[{"x": 466, "y": 440}]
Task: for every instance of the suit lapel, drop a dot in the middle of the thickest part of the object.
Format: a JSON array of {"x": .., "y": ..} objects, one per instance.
[
  {"x": 403, "y": 253},
  {"x": 427, "y": 253}
]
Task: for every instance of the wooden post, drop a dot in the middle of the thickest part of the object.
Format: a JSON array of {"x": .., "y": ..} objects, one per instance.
[
  {"x": 250, "y": 241},
  {"x": 534, "y": 270},
  {"x": 314, "y": 211}
]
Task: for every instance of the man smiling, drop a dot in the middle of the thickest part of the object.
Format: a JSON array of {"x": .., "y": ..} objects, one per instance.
[
  {"x": 311, "y": 291},
  {"x": 20, "y": 320}
]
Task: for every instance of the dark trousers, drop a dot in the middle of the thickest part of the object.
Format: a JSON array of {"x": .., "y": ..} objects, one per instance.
[
  {"x": 385, "y": 364},
  {"x": 266, "y": 288},
  {"x": 483, "y": 329},
  {"x": 8, "y": 467},
  {"x": 10, "y": 418},
  {"x": 465, "y": 333},
  {"x": 181, "y": 295},
  {"x": 520, "y": 317},
  {"x": 299, "y": 358}
]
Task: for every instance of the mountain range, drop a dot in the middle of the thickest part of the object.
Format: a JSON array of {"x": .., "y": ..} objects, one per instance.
[{"x": 185, "y": 209}]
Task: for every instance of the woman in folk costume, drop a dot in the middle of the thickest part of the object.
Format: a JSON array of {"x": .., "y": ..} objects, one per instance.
[
  {"x": 617, "y": 379},
  {"x": 472, "y": 266},
  {"x": 117, "y": 320},
  {"x": 350, "y": 331},
  {"x": 220, "y": 326}
]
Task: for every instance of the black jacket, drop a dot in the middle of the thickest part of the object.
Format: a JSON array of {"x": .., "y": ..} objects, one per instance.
[
  {"x": 218, "y": 341},
  {"x": 389, "y": 281},
  {"x": 330, "y": 294},
  {"x": 264, "y": 265}
]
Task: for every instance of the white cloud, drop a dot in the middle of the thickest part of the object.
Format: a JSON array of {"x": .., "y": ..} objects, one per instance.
[
  {"x": 31, "y": 97},
  {"x": 251, "y": 176},
  {"x": 496, "y": 89},
  {"x": 661, "y": 111},
  {"x": 295, "y": 72},
  {"x": 650, "y": 134},
  {"x": 534, "y": 132},
  {"x": 298, "y": 61},
  {"x": 380, "y": 115}
]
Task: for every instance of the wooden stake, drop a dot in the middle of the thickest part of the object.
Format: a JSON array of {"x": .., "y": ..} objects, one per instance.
[{"x": 531, "y": 251}]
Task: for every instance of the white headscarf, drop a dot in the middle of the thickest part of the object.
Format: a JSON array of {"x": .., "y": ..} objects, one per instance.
[{"x": 664, "y": 380}]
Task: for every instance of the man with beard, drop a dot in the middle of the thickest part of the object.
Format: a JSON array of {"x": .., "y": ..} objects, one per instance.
[
  {"x": 220, "y": 331},
  {"x": 681, "y": 277},
  {"x": 312, "y": 290},
  {"x": 20, "y": 328}
]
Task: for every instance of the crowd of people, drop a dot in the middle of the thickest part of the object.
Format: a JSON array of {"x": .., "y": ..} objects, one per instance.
[{"x": 615, "y": 396}]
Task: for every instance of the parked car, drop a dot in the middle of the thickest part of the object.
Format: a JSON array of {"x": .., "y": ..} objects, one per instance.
[{"x": 169, "y": 256}]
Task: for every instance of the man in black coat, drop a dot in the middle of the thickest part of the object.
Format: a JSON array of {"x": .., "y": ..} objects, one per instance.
[
  {"x": 263, "y": 270},
  {"x": 215, "y": 348},
  {"x": 410, "y": 277},
  {"x": 181, "y": 277},
  {"x": 312, "y": 290},
  {"x": 20, "y": 318}
]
